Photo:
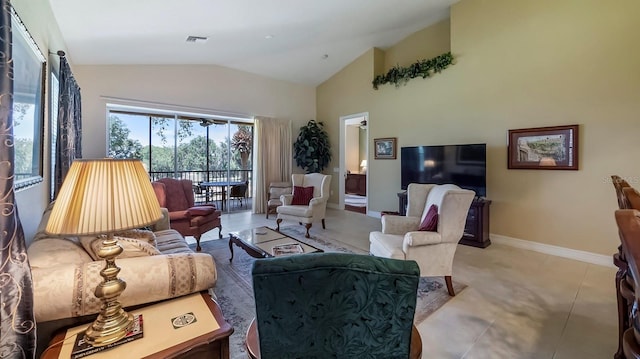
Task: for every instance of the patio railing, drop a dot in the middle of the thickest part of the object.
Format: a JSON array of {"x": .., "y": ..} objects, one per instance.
[
  {"x": 209, "y": 176},
  {"x": 206, "y": 176}
]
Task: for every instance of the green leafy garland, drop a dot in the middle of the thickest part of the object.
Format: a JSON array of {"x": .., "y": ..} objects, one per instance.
[{"x": 423, "y": 68}]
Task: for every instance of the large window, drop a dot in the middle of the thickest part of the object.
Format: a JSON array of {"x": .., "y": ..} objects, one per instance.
[
  {"x": 202, "y": 149},
  {"x": 28, "y": 108}
]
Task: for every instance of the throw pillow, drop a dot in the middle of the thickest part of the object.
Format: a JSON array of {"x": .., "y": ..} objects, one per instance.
[
  {"x": 430, "y": 221},
  {"x": 136, "y": 248},
  {"x": 141, "y": 234},
  {"x": 302, "y": 195}
]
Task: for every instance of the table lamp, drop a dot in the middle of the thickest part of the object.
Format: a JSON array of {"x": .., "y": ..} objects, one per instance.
[
  {"x": 100, "y": 197},
  {"x": 363, "y": 165}
]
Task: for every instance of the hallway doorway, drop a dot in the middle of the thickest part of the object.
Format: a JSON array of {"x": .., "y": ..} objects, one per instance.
[{"x": 354, "y": 153}]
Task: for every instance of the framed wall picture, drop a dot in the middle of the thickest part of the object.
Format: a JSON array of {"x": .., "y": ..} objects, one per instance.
[
  {"x": 544, "y": 148},
  {"x": 385, "y": 148}
]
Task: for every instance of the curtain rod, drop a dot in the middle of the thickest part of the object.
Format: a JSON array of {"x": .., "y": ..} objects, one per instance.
[{"x": 59, "y": 53}]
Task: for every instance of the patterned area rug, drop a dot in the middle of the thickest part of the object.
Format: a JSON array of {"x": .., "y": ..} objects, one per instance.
[{"x": 235, "y": 294}]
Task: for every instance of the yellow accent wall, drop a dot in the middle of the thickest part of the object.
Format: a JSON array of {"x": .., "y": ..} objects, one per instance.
[
  {"x": 424, "y": 44},
  {"x": 519, "y": 64}
]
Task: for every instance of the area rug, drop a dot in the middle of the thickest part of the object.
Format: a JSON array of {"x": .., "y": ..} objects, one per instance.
[{"x": 234, "y": 292}]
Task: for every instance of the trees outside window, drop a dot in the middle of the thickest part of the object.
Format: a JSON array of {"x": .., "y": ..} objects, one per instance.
[
  {"x": 176, "y": 144},
  {"x": 242, "y": 144}
]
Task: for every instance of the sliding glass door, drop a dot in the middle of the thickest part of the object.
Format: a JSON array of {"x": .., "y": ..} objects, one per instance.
[{"x": 215, "y": 154}]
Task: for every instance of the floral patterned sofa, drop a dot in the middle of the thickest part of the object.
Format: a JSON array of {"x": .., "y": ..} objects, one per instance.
[{"x": 156, "y": 265}]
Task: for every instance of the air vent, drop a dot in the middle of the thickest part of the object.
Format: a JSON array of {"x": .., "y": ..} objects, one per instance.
[{"x": 198, "y": 39}]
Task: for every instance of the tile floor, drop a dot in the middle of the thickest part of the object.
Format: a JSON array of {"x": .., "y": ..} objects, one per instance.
[{"x": 517, "y": 304}]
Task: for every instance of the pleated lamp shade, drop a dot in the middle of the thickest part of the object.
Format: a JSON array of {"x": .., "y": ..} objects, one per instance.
[{"x": 101, "y": 196}]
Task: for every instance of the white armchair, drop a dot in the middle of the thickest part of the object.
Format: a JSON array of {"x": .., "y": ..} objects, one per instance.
[
  {"x": 276, "y": 190},
  {"x": 316, "y": 208},
  {"x": 434, "y": 251}
]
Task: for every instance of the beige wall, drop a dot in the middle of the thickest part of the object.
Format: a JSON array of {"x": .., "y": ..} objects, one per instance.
[
  {"x": 423, "y": 44},
  {"x": 348, "y": 92},
  {"x": 352, "y": 148},
  {"x": 362, "y": 145},
  {"x": 519, "y": 64},
  {"x": 208, "y": 87}
]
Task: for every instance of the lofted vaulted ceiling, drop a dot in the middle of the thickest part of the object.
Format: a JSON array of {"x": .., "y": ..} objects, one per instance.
[{"x": 301, "y": 41}]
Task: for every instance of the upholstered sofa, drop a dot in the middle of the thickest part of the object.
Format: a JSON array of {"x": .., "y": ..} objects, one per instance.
[{"x": 156, "y": 265}]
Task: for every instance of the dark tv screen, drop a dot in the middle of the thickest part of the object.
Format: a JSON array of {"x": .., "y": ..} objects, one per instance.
[{"x": 462, "y": 165}]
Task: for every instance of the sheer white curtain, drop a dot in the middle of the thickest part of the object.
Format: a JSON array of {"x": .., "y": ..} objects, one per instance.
[{"x": 273, "y": 157}]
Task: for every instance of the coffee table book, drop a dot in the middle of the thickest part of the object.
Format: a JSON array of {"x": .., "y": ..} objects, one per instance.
[
  {"x": 285, "y": 249},
  {"x": 82, "y": 349}
]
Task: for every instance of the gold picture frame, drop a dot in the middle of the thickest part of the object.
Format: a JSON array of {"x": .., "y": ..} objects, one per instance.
[{"x": 385, "y": 148}]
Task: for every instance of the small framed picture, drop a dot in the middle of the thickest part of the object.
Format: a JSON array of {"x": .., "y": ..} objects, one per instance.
[
  {"x": 385, "y": 148},
  {"x": 544, "y": 148}
]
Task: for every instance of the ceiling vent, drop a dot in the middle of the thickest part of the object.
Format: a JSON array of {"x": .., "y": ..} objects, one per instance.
[{"x": 197, "y": 39}]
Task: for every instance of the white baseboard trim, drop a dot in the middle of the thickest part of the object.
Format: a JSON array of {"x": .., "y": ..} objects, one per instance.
[
  {"x": 593, "y": 258},
  {"x": 584, "y": 256}
]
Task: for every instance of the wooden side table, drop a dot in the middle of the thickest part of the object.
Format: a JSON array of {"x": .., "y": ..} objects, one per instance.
[
  {"x": 476, "y": 230},
  {"x": 207, "y": 336}
]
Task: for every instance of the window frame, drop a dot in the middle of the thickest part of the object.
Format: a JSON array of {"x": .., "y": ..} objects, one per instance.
[{"x": 37, "y": 78}]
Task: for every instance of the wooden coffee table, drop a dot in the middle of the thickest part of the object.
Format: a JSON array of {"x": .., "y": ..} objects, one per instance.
[
  {"x": 259, "y": 242},
  {"x": 207, "y": 336}
]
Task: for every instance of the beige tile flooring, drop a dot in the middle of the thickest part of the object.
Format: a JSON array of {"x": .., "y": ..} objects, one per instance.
[{"x": 517, "y": 304}]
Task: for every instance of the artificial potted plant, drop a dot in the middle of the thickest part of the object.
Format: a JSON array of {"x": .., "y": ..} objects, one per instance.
[{"x": 312, "y": 150}]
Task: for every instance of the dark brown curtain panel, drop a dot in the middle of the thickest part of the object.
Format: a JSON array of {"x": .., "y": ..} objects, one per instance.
[
  {"x": 69, "y": 143},
  {"x": 17, "y": 330}
]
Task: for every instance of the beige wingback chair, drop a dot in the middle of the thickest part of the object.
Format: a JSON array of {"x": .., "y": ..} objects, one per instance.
[
  {"x": 306, "y": 214},
  {"x": 434, "y": 251},
  {"x": 276, "y": 190}
]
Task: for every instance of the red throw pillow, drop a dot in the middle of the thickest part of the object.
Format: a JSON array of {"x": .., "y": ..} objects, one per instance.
[
  {"x": 302, "y": 195},
  {"x": 430, "y": 221}
]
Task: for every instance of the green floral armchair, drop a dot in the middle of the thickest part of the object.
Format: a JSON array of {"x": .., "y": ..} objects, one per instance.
[{"x": 335, "y": 305}]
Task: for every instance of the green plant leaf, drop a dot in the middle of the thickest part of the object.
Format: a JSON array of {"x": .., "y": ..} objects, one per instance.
[
  {"x": 398, "y": 75},
  {"x": 312, "y": 151}
]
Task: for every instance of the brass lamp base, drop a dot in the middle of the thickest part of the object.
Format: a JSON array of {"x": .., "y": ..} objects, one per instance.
[
  {"x": 113, "y": 323},
  {"x": 105, "y": 330}
]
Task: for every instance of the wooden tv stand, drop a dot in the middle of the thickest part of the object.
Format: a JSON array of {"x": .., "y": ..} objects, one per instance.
[{"x": 476, "y": 230}]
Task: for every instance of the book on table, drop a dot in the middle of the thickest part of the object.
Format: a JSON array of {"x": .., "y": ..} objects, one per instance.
[
  {"x": 286, "y": 249},
  {"x": 82, "y": 349}
]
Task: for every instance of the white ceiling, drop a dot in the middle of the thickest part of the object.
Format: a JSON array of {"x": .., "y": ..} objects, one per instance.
[{"x": 154, "y": 32}]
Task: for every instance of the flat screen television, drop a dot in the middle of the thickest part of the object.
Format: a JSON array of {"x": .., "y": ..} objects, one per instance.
[{"x": 463, "y": 165}]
